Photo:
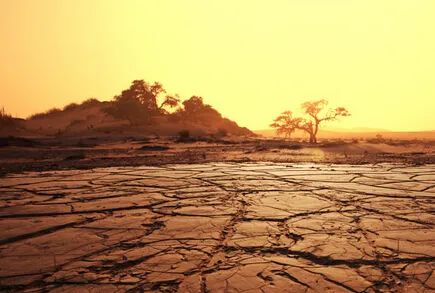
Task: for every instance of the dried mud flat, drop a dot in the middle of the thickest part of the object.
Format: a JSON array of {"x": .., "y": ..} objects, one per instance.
[{"x": 219, "y": 227}]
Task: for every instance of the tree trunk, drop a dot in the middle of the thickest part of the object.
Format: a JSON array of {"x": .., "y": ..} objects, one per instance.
[
  {"x": 313, "y": 138},
  {"x": 316, "y": 129}
]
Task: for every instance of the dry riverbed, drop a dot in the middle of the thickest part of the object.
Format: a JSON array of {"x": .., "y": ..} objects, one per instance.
[{"x": 220, "y": 227}]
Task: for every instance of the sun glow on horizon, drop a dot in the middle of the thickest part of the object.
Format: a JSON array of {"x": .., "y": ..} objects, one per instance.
[{"x": 251, "y": 60}]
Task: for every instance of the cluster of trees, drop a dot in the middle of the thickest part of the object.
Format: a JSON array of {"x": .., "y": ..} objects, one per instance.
[
  {"x": 142, "y": 102},
  {"x": 316, "y": 113}
]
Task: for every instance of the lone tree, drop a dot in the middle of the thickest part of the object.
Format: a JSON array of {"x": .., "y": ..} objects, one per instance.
[{"x": 316, "y": 113}]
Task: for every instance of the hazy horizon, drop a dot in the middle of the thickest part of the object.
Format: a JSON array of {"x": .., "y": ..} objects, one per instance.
[
  {"x": 353, "y": 130},
  {"x": 250, "y": 60}
]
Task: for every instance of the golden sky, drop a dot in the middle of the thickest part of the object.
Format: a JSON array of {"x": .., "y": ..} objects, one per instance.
[{"x": 250, "y": 59}]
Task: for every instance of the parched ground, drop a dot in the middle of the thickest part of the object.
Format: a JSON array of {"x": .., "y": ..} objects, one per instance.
[
  {"x": 88, "y": 153},
  {"x": 220, "y": 227}
]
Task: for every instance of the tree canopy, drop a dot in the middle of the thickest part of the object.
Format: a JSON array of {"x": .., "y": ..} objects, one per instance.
[
  {"x": 315, "y": 112},
  {"x": 142, "y": 101},
  {"x": 285, "y": 124}
]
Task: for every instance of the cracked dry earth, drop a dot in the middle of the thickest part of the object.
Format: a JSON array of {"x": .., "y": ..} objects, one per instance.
[{"x": 224, "y": 227}]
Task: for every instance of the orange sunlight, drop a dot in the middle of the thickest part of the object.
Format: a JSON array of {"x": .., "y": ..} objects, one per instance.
[{"x": 251, "y": 60}]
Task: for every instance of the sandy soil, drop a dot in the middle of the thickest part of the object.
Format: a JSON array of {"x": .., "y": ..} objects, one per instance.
[
  {"x": 219, "y": 227},
  {"x": 86, "y": 153}
]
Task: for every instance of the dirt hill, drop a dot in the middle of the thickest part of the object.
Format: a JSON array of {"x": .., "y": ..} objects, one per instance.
[{"x": 91, "y": 119}]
